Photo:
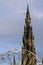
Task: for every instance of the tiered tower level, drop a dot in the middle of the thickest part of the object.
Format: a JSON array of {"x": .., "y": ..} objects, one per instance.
[{"x": 28, "y": 42}]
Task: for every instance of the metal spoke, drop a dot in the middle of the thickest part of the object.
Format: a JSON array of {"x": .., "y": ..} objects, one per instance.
[{"x": 16, "y": 51}]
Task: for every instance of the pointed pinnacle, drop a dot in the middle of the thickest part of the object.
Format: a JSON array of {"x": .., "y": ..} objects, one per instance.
[{"x": 27, "y": 8}]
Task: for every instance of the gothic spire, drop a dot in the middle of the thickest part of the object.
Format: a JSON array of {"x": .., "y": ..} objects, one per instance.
[
  {"x": 28, "y": 19},
  {"x": 27, "y": 8}
]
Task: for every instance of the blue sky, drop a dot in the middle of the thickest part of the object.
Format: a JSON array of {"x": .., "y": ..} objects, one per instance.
[{"x": 12, "y": 20}]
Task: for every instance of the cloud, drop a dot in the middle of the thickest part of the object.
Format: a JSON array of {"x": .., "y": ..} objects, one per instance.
[{"x": 38, "y": 15}]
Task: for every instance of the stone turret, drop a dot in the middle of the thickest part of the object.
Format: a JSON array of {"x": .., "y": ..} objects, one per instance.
[
  {"x": 28, "y": 19},
  {"x": 28, "y": 42}
]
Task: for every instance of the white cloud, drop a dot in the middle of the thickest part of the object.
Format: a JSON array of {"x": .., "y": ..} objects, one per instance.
[{"x": 38, "y": 15}]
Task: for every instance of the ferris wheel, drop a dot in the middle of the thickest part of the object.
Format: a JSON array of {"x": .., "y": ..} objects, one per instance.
[{"x": 15, "y": 55}]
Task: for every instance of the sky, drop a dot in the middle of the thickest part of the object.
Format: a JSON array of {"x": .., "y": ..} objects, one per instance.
[{"x": 12, "y": 21}]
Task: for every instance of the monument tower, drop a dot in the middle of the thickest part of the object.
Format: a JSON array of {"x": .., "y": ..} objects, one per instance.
[{"x": 28, "y": 42}]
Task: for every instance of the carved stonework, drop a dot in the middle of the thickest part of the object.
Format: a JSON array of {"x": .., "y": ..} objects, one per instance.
[{"x": 28, "y": 42}]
